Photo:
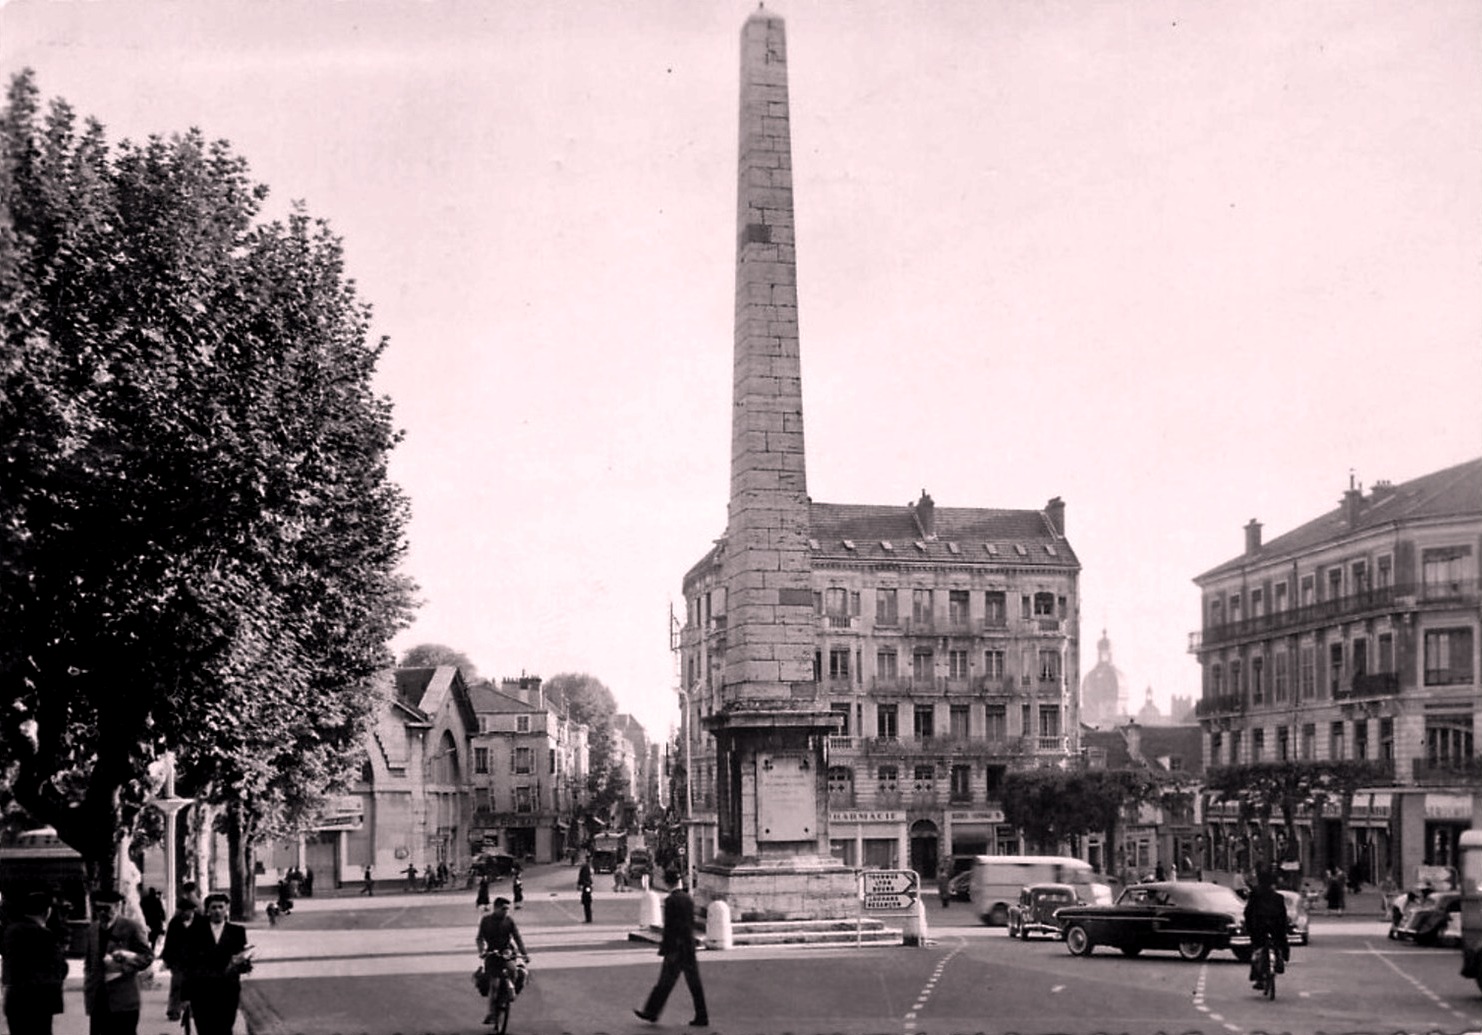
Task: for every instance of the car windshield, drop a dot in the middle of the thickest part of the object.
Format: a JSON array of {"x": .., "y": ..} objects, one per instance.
[
  {"x": 1215, "y": 897},
  {"x": 1054, "y": 896}
]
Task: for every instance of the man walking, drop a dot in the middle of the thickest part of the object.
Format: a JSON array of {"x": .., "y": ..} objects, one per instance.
[
  {"x": 678, "y": 949},
  {"x": 216, "y": 956},
  {"x": 117, "y": 950},
  {"x": 367, "y": 886},
  {"x": 584, "y": 882},
  {"x": 33, "y": 970}
]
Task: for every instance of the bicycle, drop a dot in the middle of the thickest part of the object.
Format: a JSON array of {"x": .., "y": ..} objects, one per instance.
[
  {"x": 1266, "y": 967},
  {"x": 506, "y": 988}
]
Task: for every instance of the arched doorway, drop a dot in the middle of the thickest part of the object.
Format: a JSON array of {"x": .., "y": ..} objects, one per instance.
[{"x": 924, "y": 842}]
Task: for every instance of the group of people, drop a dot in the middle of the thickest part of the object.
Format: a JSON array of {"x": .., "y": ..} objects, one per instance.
[
  {"x": 440, "y": 876},
  {"x": 206, "y": 955}
]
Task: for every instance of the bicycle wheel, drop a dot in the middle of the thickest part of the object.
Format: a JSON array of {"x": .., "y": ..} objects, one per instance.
[{"x": 501, "y": 1007}]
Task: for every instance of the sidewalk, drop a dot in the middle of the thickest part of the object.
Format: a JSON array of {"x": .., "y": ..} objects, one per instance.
[{"x": 1366, "y": 904}]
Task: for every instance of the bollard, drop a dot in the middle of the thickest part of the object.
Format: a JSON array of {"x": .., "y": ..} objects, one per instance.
[
  {"x": 718, "y": 924},
  {"x": 650, "y": 910},
  {"x": 915, "y": 926}
]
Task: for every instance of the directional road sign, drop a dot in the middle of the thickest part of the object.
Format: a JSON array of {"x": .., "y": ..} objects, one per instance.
[{"x": 889, "y": 891}]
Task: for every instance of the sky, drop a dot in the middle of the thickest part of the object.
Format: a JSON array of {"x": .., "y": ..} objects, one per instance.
[{"x": 1181, "y": 264}]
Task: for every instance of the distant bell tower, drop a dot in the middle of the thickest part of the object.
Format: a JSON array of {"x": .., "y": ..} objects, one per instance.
[{"x": 771, "y": 727}]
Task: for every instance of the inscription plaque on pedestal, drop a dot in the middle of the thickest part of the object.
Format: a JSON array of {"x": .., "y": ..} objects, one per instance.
[{"x": 787, "y": 806}]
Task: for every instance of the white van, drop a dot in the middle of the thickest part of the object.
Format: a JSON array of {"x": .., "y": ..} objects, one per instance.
[{"x": 997, "y": 879}]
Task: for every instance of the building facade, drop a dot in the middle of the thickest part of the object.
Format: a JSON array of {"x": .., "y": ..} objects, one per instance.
[
  {"x": 1355, "y": 635},
  {"x": 528, "y": 775},
  {"x": 947, "y": 642}
]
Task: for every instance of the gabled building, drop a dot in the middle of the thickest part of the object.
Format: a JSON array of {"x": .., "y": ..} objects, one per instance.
[
  {"x": 528, "y": 776},
  {"x": 1355, "y": 635},
  {"x": 1165, "y": 832},
  {"x": 947, "y": 640}
]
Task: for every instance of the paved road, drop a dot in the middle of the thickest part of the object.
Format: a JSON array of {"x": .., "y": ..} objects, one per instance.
[{"x": 402, "y": 963}]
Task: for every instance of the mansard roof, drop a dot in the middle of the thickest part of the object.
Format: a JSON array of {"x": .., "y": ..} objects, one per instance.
[
  {"x": 1452, "y": 492},
  {"x": 962, "y": 535}
]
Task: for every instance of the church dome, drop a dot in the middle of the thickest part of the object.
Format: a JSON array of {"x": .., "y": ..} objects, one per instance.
[{"x": 1104, "y": 688}]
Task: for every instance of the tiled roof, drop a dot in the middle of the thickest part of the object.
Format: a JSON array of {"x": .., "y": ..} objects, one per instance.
[
  {"x": 487, "y": 700},
  {"x": 1182, "y": 742},
  {"x": 1451, "y": 492},
  {"x": 1018, "y": 538}
]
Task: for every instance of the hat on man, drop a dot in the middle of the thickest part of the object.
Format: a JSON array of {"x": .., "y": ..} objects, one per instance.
[
  {"x": 185, "y": 902},
  {"x": 106, "y": 896},
  {"x": 501, "y": 901}
]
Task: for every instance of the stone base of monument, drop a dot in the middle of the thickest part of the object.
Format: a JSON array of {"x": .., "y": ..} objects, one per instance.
[{"x": 792, "y": 888}]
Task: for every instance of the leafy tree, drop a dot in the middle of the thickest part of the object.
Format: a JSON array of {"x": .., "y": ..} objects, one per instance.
[
  {"x": 430, "y": 655},
  {"x": 587, "y": 700},
  {"x": 198, "y": 538},
  {"x": 1262, "y": 789}
]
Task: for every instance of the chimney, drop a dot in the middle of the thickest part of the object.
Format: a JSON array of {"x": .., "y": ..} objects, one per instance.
[
  {"x": 1252, "y": 537},
  {"x": 1055, "y": 512},
  {"x": 1353, "y": 502},
  {"x": 1383, "y": 489},
  {"x": 926, "y": 518},
  {"x": 1132, "y": 733}
]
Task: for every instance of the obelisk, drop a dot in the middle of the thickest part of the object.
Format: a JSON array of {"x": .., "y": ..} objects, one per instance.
[{"x": 771, "y": 726}]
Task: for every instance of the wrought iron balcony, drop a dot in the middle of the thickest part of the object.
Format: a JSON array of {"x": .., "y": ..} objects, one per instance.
[
  {"x": 1442, "y": 771},
  {"x": 1219, "y": 704},
  {"x": 1370, "y": 684},
  {"x": 1407, "y": 597}
]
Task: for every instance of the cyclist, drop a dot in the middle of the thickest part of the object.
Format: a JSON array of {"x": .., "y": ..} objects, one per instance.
[
  {"x": 497, "y": 932},
  {"x": 1265, "y": 918}
]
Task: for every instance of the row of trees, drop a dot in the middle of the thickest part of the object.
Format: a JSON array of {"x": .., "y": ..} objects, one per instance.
[
  {"x": 199, "y": 542},
  {"x": 1052, "y": 806}
]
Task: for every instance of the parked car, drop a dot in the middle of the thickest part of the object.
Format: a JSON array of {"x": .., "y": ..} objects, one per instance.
[
  {"x": 1433, "y": 919},
  {"x": 961, "y": 886},
  {"x": 1034, "y": 913},
  {"x": 1297, "y": 917},
  {"x": 1191, "y": 918}
]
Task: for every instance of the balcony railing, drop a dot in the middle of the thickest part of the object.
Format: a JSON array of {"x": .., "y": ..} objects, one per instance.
[
  {"x": 1433, "y": 772},
  {"x": 832, "y": 621},
  {"x": 1043, "y": 744},
  {"x": 1219, "y": 704},
  {"x": 1460, "y": 593},
  {"x": 1370, "y": 684}
]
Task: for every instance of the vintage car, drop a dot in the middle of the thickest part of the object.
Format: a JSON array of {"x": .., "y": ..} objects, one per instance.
[
  {"x": 961, "y": 886},
  {"x": 1191, "y": 918},
  {"x": 1034, "y": 913},
  {"x": 1431, "y": 919},
  {"x": 1297, "y": 917}
]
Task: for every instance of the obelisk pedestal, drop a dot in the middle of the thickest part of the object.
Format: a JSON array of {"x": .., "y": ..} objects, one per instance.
[{"x": 771, "y": 726}]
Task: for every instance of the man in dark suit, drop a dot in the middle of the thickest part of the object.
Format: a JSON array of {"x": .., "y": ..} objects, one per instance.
[
  {"x": 117, "y": 950},
  {"x": 33, "y": 970},
  {"x": 217, "y": 954},
  {"x": 678, "y": 949}
]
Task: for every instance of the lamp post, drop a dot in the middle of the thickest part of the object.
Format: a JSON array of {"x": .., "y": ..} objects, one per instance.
[
  {"x": 169, "y": 804},
  {"x": 689, "y": 793}
]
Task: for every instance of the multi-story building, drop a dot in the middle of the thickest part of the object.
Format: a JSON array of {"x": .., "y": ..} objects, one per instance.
[
  {"x": 528, "y": 776},
  {"x": 1355, "y": 636},
  {"x": 947, "y": 642},
  {"x": 1163, "y": 831}
]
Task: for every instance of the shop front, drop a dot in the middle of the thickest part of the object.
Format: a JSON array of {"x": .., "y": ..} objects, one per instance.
[
  {"x": 970, "y": 832},
  {"x": 869, "y": 839}
]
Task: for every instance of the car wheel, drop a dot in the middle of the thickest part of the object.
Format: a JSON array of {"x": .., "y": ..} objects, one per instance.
[
  {"x": 1131, "y": 950},
  {"x": 1078, "y": 941},
  {"x": 1193, "y": 951},
  {"x": 998, "y": 916}
]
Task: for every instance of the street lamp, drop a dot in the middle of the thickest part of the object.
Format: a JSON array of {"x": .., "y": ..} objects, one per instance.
[
  {"x": 169, "y": 804},
  {"x": 689, "y": 793}
]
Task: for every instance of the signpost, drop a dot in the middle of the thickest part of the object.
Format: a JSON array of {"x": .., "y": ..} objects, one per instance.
[{"x": 889, "y": 891}]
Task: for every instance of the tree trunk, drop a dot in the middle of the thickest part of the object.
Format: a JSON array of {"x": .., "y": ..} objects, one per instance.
[{"x": 239, "y": 848}]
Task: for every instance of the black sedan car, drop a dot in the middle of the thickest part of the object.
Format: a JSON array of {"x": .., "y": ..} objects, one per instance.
[{"x": 1188, "y": 917}]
